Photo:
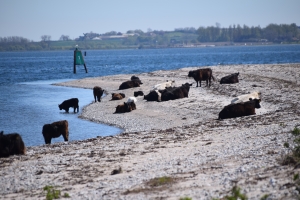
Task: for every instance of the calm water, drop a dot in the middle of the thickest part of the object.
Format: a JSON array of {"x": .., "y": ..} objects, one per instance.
[{"x": 28, "y": 100}]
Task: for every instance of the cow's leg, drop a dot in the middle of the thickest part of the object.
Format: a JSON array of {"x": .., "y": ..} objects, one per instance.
[
  {"x": 65, "y": 137},
  {"x": 48, "y": 140},
  {"x": 67, "y": 110}
]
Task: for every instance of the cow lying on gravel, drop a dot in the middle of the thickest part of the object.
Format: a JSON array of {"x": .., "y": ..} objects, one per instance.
[
  {"x": 246, "y": 97},
  {"x": 117, "y": 96},
  {"x": 125, "y": 107},
  {"x": 154, "y": 95},
  {"x": 230, "y": 79},
  {"x": 173, "y": 93},
  {"x": 131, "y": 99},
  {"x": 162, "y": 86},
  {"x": 170, "y": 93},
  {"x": 97, "y": 92},
  {"x": 69, "y": 103},
  {"x": 240, "y": 109},
  {"x": 130, "y": 84},
  {"x": 202, "y": 75},
  {"x": 11, "y": 144},
  {"x": 55, "y": 130},
  {"x": 138, "y": 93},
  {"x": 135, "y": 78}
]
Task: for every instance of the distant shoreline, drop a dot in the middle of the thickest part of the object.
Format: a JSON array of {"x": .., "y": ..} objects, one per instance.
[{"x": 200, "y": 45}]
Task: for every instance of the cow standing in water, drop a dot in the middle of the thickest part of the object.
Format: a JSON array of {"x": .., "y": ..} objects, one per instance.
[
  {"x": 55, "y": 130},
  {"x": 65, "y": 105},
  {"x": 202, "y": 75}
]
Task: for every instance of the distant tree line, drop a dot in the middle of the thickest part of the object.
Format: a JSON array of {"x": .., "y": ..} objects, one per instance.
[
  {"x": 13, "y": 39},
  {"x": 273, "y": 33}
]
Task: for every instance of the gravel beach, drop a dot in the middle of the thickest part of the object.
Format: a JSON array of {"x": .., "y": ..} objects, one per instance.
[{"x": 180, "y": 141}]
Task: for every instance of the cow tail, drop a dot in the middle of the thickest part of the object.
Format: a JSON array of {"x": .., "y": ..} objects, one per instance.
[{"x": 213, "y": 78}]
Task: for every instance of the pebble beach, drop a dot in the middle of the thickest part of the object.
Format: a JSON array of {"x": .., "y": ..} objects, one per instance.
[{"x": 181, "y": 141}]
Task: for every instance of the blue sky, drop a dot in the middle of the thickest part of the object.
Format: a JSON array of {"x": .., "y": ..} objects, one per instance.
[{"x": 33, "y": 18}]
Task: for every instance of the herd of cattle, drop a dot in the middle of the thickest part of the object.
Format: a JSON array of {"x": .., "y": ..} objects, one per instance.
[{"x": 11, "y": 144}]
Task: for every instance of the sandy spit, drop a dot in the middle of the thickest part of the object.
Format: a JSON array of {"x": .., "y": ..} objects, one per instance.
[{"x": 202, "y": 157}]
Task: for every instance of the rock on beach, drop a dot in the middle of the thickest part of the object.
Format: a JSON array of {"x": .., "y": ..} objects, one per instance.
[{"x": 180, "y": 141}]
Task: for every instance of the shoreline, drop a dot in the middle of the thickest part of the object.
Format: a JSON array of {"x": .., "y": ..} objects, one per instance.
[{"x": 180, "y": 139}]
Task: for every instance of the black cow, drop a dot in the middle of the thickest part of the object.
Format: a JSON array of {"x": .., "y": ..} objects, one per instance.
[
  {"x": 240, "y": 109},
  {"x": 130, "y": 84},
  {"x": 138, "y": 93},
  {"x": 173, "y": 93},
  {"x": 11, "y": 144},
  {"x": 69, "y": 103},
  {"x": 97, "y": 92},
  {"x": 202, "y": 75},
  {"x": 230, "y": 79},
  {"x": 55, "y": 130},
  {"x": 154, "y": 95}
]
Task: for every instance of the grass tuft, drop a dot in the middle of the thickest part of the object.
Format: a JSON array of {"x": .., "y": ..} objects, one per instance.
[
  {"x": 185, "y": 198},
  {"x": 53, "y": 193},
  {"x": 160, "y": 181}
]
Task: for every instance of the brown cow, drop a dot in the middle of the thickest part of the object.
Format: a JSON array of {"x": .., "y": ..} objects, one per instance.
[
  {"x": 125, "y": 107},
  {"x": 98, "y": 92},
  {"x": 117, "y": 96},
  {"x": 11, "y": 144},
  {"x": 240, "y": 109},
  {"x": 55, "y": 130},
  {"x": 202, "y": 75}
]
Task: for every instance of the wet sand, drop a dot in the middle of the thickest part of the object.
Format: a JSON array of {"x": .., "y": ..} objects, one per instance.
[{"x": 181, "y": 139}]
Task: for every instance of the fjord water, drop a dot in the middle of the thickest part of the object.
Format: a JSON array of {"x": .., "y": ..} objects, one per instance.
[{"x": 28, "y": 100}]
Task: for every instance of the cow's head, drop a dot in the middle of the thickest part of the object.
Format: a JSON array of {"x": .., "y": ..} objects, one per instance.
[
  {"x": 128, "y": 107},
  {"x": 122, "y": 94},
  {"x": 256, "y": 101},
  {"x": 191, "y": 74}
]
